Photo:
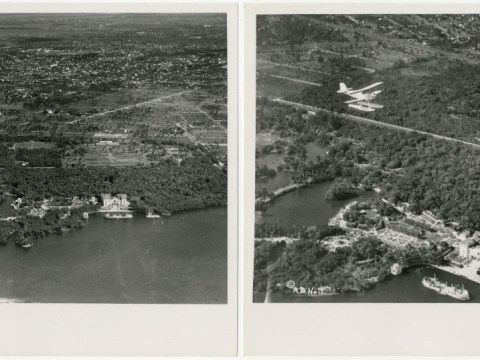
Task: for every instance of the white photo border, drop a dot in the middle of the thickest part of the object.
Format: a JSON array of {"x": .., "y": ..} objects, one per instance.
[
  {"x": 137, "y": 329},
  {"x": 346, "y": 329}
]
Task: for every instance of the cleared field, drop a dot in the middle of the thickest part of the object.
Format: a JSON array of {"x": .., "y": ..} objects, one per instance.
[
  {"x": 268, "y": 86},
  {"x": 127, "y": 161},
  {"x": 32, "y": 145},
  {"x": 123, "y": 97},
  {"x": 269, "y": 138},
  {"x": 93, "y": 156},
  {"x": 96, "y": 162},
  {"x": 211, "y": 137},
  {"x": 295, "y": 73}
]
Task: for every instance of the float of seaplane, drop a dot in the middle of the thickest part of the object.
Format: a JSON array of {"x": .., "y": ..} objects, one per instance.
[{"x": 361, "y": 99}]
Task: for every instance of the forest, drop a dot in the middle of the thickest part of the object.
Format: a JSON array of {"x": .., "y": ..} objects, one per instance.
[
  {"x": 347, "y": 269},
  {"x": 40, "y": 157},
  {"x": 195, "y": 183},
  {"x": 341, "y": 190},
  {"x": 428, "y": 173},
  {"x": 292, "y": 30},
  {"x": 429, "y": 94},
  {"x": 26, "y": 227}
]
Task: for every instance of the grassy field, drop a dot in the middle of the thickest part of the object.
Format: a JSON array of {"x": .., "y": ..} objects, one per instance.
[{"x": 274, "y": 87}]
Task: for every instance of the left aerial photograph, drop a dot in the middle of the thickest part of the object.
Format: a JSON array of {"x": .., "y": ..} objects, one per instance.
[{"x": 113, "y": 158}]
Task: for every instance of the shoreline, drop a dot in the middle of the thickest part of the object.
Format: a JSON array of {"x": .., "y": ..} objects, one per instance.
[
  {"x": 467, "y": 272},
  {"x": 133, "y": 211},
  {"x": 447, "y": 269},
  {"x": 83, "y": 221}
]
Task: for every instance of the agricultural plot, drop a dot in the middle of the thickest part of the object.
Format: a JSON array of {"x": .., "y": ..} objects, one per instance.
[
  {"x": 196, "y": 118},
  {"x": 94, "y": 159},
  {"x": 33, "y": 145},
  {"x": 211, "y": 136}
]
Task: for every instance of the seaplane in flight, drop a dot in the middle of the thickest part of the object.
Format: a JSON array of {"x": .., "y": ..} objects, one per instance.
[{"x": 361, "y": 100}]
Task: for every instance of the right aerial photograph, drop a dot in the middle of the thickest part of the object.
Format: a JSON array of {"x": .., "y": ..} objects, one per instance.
[{"x": 367, "y": 171}]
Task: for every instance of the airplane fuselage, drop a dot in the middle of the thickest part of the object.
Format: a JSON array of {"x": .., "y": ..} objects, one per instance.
[
  {"x": 361, "y": 99},
  {"x": 366, "y": 96}
]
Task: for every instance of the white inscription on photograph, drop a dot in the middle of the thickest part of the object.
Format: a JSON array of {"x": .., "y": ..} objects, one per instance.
[
  {"x": 113, "y": 158},
  {"x": 367, "y": 170}
]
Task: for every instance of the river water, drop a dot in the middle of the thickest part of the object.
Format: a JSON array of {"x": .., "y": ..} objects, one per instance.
[
  {"x": 307, "y": 206},
  {"x": 174, "y": 260},
  {"x": 304, "y": 207}
]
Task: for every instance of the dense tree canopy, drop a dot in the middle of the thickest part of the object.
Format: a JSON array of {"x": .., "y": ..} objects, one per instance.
[{"x": 196, "y": 183}]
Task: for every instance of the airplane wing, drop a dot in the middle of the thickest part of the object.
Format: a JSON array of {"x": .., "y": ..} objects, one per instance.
[
  {"x": 365, "y": 106},
  {"x": 361, "y": 107},
  {"x": 372, "y": 105},
  {"x": 354, "y": 101},
  {"x": 365, "y": 88}
]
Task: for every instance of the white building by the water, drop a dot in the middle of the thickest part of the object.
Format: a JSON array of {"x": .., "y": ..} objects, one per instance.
[
  {"x": 396, "y": 269},
  {"x": 115, "y": 202}
]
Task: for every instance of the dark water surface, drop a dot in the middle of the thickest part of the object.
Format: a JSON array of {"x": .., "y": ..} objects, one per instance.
[
  {"x": 304, "y": 207},
  {"x": 180, "y": 259}
]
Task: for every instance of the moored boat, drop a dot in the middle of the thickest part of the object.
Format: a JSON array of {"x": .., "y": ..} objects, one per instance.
[
  {"x": 444, "y": 289},
  {"x": 118, "y": 216},
  {"x": 151, "y": 215}
]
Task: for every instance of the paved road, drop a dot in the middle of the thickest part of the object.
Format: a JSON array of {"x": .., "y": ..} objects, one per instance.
[
  {"x": 130, "y": 106},
  {"x": 295, "y": 80},
  {"x": 373, "y": 122}
]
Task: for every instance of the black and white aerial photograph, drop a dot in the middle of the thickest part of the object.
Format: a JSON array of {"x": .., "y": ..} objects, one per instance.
[
  {"x": 367, "y": 171},
  {"x": 113, "y": 158}
]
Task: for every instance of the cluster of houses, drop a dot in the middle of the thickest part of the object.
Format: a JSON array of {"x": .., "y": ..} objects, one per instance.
[{"x": 110, "y": 203}]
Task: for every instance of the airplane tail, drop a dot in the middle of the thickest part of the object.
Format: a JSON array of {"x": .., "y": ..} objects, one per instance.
[{"x": 343, "y": 88}]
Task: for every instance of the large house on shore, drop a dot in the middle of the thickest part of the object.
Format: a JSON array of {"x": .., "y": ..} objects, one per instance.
[{"x": 117, "y": 202}]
